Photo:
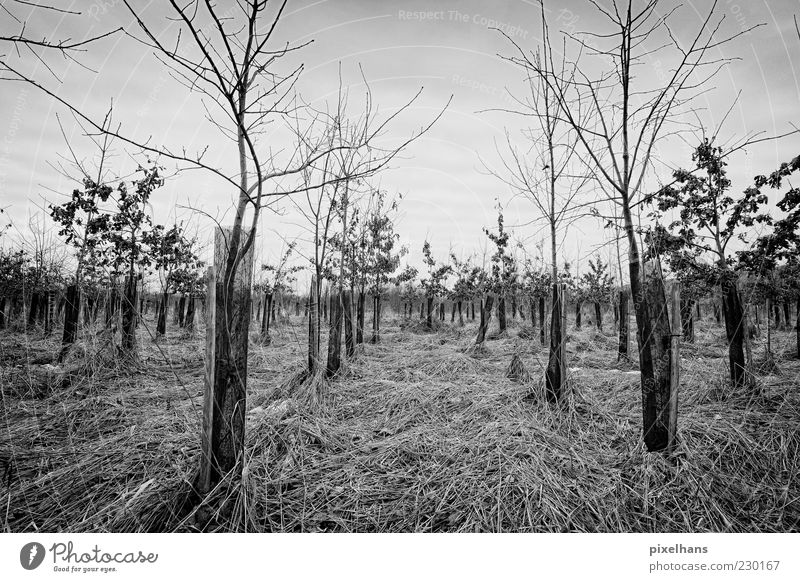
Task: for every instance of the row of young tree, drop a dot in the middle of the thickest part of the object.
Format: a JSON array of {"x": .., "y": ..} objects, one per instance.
[{"x": 597, "y": 130}]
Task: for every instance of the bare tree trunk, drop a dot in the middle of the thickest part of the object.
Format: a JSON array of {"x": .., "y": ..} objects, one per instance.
[
  {"x": 501, "y": 312},
  {"x": 598, "y": 316},
  {"x": 578, "y": 305},
  {"x": 2, "y": 312},
  {"x": 486, "y": 316},
  {"x": 460, "y": 315},
  {"x": 453, "y": 312}
]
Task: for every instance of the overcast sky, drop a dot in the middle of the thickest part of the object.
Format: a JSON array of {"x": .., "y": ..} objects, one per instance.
[{"x": 447, "y": 47}]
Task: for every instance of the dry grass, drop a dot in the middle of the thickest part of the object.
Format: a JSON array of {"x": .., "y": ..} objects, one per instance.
[{"x": 418, "y": 434}]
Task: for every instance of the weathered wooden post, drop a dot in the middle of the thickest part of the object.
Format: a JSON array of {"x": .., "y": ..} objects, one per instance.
[
  {"x": 655, "y": 362},
  {"x": 50, "y": 314},
  {"x": 622, "y": 349},
  {"x": 313, "y": 328},
  {"x": 334, "y": 362},
  {"x": 563, "y": 347},
  {"x": 349, "y": 338},
  {"x": 71, "y": 314},
  {"x": 556, "y": 366},
  {"x": 675, "y": 365},
  {"x": 486, "y": 316},
  {"x": 228, "y": 315}
]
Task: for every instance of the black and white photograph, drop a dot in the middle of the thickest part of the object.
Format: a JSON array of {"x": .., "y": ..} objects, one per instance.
[{"x": 399, "y": 267}]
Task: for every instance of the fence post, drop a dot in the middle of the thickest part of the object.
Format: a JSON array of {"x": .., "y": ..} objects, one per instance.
[
  {"x": 675, "y": 365},
  {"x": 227, "y": 342},
  {"x": 313, "y": 327}
]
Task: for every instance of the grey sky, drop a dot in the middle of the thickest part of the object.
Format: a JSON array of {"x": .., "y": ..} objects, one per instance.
[{"x": 445, "y": 46}]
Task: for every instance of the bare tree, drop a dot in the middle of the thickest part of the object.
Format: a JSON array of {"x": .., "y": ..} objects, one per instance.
[
  {"x": 619, "y": 120},
  {"x": 550, "y": 175}
]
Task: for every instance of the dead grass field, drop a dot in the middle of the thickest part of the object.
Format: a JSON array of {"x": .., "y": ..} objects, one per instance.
[{"x": 417, "y": 435}]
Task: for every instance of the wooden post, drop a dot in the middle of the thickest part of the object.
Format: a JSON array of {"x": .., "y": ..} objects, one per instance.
[
  {"x": 50, "y": 314},
  {"x": 486, "y": 316},
  {"x": 209, "y": 409},
  {"x": 675, "y": 366},
  {"x": 334, "y": 362},
  {"x": 624, "y": 319},
  {"x": 71, "y": 315},
  {"x": 227, "y": 329},
  {"x": 349, "y": 339},
  {"x": 564, "y": 300},
  {"x": 313, "y": 327},
  {"x": 655, "y": 361}
]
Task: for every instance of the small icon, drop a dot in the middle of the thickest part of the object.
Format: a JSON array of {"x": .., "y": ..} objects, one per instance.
[{"x": 31, "y": 555}]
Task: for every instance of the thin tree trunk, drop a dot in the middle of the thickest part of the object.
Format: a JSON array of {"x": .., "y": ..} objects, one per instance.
[
  {"x": 598, "y": 316},
  {"x": 578, "y": 305},
  {"x": 460, "y": 315},
  {"x": 501, "y": 313}
]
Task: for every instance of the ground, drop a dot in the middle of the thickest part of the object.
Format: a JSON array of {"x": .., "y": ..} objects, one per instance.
[{"x": 417, "y": 434}]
